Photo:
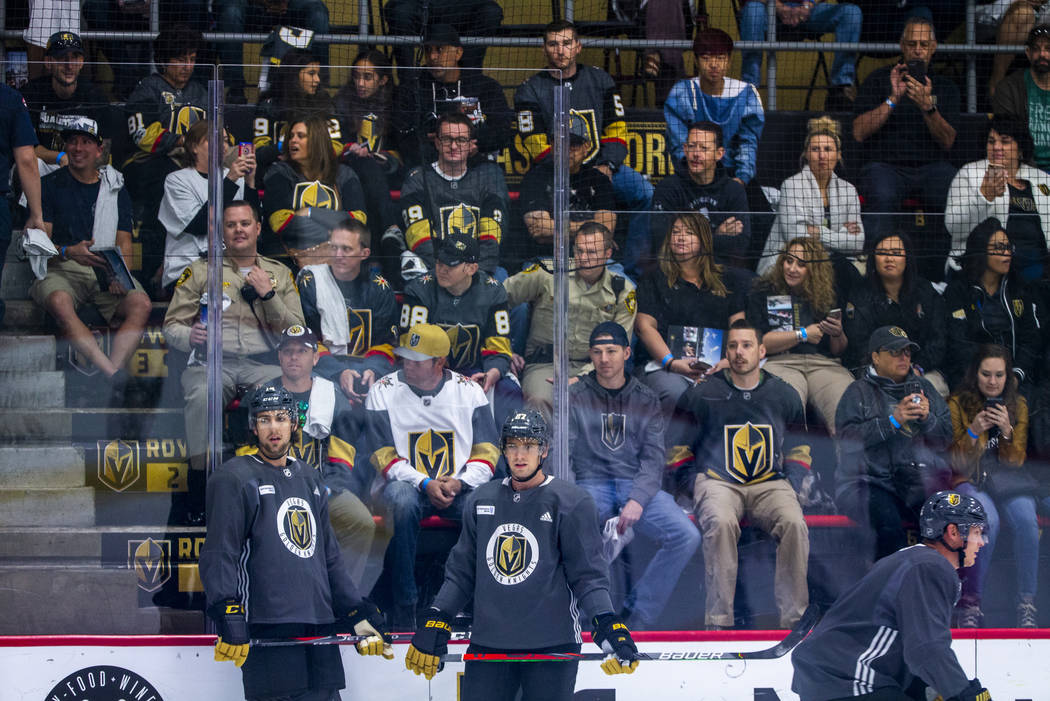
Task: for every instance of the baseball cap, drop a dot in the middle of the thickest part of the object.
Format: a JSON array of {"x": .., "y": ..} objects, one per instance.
[
  {"x": 578, "y": 129},
  {"x": 298, "y": 334},
  {"x": 611, "y": 329},
  {"x": 458, "y": 248},
  {"x": 1039, "y": 31},
  {"x": 712, "y": 41},
  {"x": 78, "y": 124},
  {"x": 423, "y": 341},
  {"x": 62, "y": 43},
  {"x": 890, "y": 338},
  {"x": 441, "y": 35}
]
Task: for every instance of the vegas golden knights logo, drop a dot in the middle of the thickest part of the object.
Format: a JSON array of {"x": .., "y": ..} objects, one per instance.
[
  {"x": 1018, "y": 305},
  {"x": 433, "y": 452},
  {"x": 118, "y": 464},
  {"x": 512, "y": 553},
  {"x": 297, "y": 527},
  {"x": 359, "y": 322},
  {"x": 460, "y": 219},
  {"x": 185, "y": 118},
  {"x": 592, "y": 131},
  {"x": 314, "y": 194},
  {"x": 305, "y": 447},
  {"x": 151, "y": 561},
  {"x": 367, "y": 133},
  {"x": 749, "y": 451},
  {"x": 614, "y": 430},
  {"x": 464, "y": 343}
]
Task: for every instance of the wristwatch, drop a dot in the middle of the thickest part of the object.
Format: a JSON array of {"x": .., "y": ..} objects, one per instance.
[{"x": 932, "y": 110}]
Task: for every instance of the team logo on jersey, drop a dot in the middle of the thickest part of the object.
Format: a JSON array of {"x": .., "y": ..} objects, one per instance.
[
  {"x": 367, "y": 133},
  {"x": 464, "y": 341},
  {"x": 749, "y": 450},
  {"x": 186, "y": 117},
  {"x": 512, "y": 553},
  {"x": 614, "y": 430},
  {"x": 433, "y": 452},
  {"x": 460, "y": 218},
  {"x": 359, "y": 322},
  {"x": 306, "y": 448},
  {"x": 314, "y": 194},
  {"x": 104, "y": 683},
  {"x": 151, "y": 561},
  {"x": 118, "y": 464},
  {"x": 1018, "y": 305},
  {"x": 297, "y": 527},
  {"x": 591, "y": 121}
]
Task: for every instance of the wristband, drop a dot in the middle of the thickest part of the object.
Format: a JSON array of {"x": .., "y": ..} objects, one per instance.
[
  {"x": 802, "y": 332},
  {"x": 894, "y": 422},
  {"x": 424, "y": 483},
  {"x": 666, "y": 360},
  {"x": 62, "y": 253},
  {"x": 891, "y": 103},
  {"x": 58, "y": 158},
  {"x": 970, "y": 433}
]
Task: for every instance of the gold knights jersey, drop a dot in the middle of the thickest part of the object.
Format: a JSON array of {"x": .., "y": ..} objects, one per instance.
[{"x": 158, "y": 114}]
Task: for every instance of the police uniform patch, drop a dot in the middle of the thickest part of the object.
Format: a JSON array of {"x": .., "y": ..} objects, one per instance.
[
  {"x": 630, "y": 302},
  {"x": 511, "y": 553},
  {"x": 186, "y": 274},
  {"x": 297, "y": 527}
]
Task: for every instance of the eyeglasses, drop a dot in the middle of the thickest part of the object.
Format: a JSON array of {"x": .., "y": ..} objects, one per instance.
[
  {"x": 457, "y": 140},
  {"x": 1000, "y": 249}
]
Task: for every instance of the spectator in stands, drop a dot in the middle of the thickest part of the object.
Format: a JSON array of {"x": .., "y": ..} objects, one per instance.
[
  {"x": 263, "y": 302},
  {"x": 616, "y": 429},
  {"x": 472, "y": 307},
  {"x": 798, "y": 308},
  {"x": 451, "y": 196},
  {"x": 817, "y": 202},
  {"x": 688, "y": 290},
  {"x": 234, "y": 16},
  {"x": 844, "y": 19},
  {"x": 737, "y": 439},
  {"x": 596, "y": 295},
  {"x": 591, "y": 197},
  {"x": 307, "y": 190},
  {"x": 988, "y": 303},
  {"x": 353, "y": 308},
  {"x": 62, "y": 93},
  {"x": 413, "y": 17},
  {"x": 184, "y": 209},
  {"x": 443, "y": 88},
  {"x": 906, "y": 123},
  {"x": 433, "y": 441},
  {"x": 1003, "y": 185},
  {"x": 711, "y": 96},
  {"x": 594, "y": 97},
  {"x": 160, "y": 110},
  {"x": 1025, "y": 95},
  {"x": 1009, "y": 21},
  {"x": 990, "y": 435},
  {"x": 363, "y": 107},
  {"x": 893, "y": 431},
  {"x": 893, "y": 294},
  {"x": 86, "y": 211},
  {"x": 704, "y": 186},
  {"x": 17, "y": 144},
  {"x": 46, "y": 18}
]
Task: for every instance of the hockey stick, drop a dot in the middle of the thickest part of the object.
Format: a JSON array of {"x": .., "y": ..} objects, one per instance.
[{"x": 341, "y": 639}]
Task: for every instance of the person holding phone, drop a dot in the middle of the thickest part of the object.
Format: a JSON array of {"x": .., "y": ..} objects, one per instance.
[{"x": 988, "y": 454}]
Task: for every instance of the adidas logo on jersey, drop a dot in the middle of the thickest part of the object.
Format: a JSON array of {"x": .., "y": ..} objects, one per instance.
[{"x": 546, "y": 517}]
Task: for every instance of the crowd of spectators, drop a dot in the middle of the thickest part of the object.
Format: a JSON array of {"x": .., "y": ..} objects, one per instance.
[{"x": 360, "y": 304}]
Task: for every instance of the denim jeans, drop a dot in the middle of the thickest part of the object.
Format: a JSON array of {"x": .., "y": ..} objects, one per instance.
[
  {"x": 1019, "y": 514},
  {"x": 843, "y": 19},
  {"x": 884, "y": 186},
  {"x": 973, "y": 577},
  {"x": 634, "y": 195},
  {"x": 663, "y": 522}
]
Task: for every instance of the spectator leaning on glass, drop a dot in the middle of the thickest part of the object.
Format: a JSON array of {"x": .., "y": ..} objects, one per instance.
[
  {"x": 798, "y": 309},
  {"x": 1003, "y": 185},
  {"x": 987, "y": 303},
  {"x": 1025, "y": 94},
  {"x": 688, "y": 290},
  {"x": 892, "y": 294},
  {"x": 817, "y": 202},
  {"x": 893, "y": 433},
  {"x": 990, "y": 434},
  {"x": 184, "y": 212}
]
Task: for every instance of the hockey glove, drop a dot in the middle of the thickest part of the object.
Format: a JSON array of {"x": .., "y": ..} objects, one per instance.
[
  {"x": 429, "y": 645},
  {"x": 232, "y": 645},
  {"x": 974, "y": 692},
  {"x": 366, "y": 620},
  {"x": 612, "y": 636}
]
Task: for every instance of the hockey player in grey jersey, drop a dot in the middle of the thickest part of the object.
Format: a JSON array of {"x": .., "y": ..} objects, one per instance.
[
  {"x": 271, "y": 565},
  {"x": 889, "y": 637},
  {"x": 530, "y": 557}
]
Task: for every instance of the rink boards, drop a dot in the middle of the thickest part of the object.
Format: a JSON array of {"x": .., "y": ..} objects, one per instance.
[{"x": 181, "y": 668}]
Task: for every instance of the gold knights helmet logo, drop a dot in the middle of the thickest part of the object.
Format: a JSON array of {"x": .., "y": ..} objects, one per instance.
[
  {"x": 953, "y": 499},
  {"x": 749, "y": 451},
  {"x": 186, "y": 117},
  {"x": 898, "y": 332},
  {"x": 614, "y": 430},
  {"x": 464, "y": 344},
  {"x": 118, "y": 464},
  {"x": 433, "y": 452},
  {"x": 297, "y": 527},
  {"x": 512, "y": 553},
  {"x": 460, "y": 219},
  {"x": 151, "y": 561},
  {"x": 314, "y": 194}
]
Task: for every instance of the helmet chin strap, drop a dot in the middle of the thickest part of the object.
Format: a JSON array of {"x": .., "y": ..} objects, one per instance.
[
  {"x": 522, "y": 480},
  {"x": 960, "y": 552}
]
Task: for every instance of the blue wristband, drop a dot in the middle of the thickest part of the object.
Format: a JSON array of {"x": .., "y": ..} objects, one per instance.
[
  {"x": 62, "y": 252},
  {"x": 666, "y": 360},
  {"x": 58, "y": 158},
  {"x": 894, "y": 422},
  {"x": 891, "y": 103},
  {"x": 970, "y": 433},
  {"x": 805, "y": 336},
  {"x": 423, "y": 484}
]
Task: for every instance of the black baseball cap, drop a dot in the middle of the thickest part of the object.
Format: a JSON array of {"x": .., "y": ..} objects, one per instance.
[
  {"x": 62, "y": 43},
  {"x": 890, "y": 338},
  {"x": 609, "y": 332},
  {"x": 441, "y": 35},
  {"x": 298, "y": 334},
  {"x": 458, "y": 248}
]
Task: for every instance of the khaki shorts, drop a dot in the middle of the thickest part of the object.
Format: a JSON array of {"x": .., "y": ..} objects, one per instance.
[{"x": 80, "y": 283}]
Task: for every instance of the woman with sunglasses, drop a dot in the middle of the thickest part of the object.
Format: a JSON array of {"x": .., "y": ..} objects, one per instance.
[{"x": 988, "y": 303}]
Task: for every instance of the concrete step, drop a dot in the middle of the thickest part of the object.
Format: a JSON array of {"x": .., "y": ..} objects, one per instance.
[
  {"x": 18, "y": 276},
  {"x": 24, "y": 316},
  {"x": 79, "y": 425},
  {"x": 48, "y": 507},
  {"x": 42, "y": 467},
  {"x": 21, "y": 545},
  {"x": 36, "y": 390},
  {"x": 27, "y": 353}
]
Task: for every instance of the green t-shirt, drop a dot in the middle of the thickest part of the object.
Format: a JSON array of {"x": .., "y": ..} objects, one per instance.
[{"x": 1039, "y": 120}]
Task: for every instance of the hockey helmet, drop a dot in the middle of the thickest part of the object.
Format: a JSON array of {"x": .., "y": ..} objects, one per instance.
[
  {"x": 272, "y": 398},
  {"x": 528, "y": 424},
  {"x": 950, "y": 507}
]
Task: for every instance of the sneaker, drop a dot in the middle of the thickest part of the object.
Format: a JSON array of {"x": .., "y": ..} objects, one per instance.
[
  {"x": 1026, "y": 613},
  {"x": 968, "y": 616}
]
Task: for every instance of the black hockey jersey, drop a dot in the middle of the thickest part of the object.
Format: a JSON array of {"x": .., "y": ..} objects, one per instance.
[
  {"x": 270, "y": 127},
  {"x": 288, "y": 191},
  {"x": 48, "y": 111},
  {"x": 435, "y": 205},
  {"x": 477, "y": 322},
  {"x": 892, "y": 626},
  {"x": 270, "y": 545},
  {"x": 592, "y": 96},
  {"x": 158, "y": 114},
  {"x": 531, "y": 560}
]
